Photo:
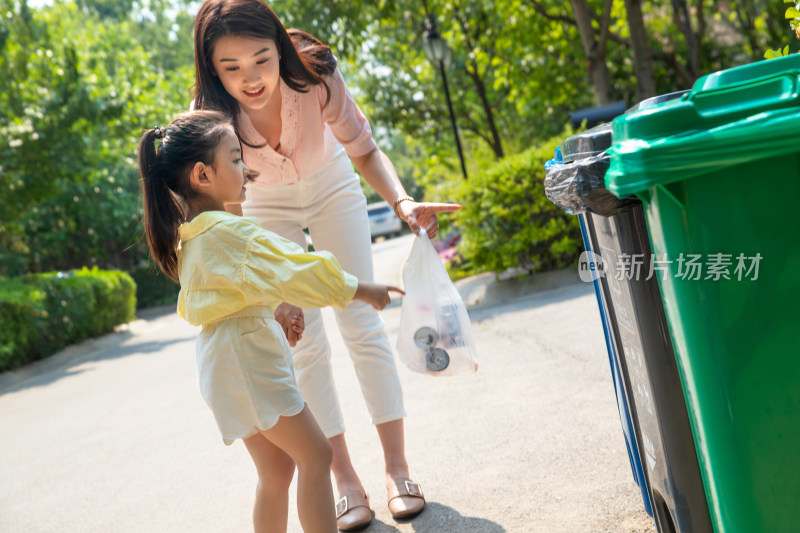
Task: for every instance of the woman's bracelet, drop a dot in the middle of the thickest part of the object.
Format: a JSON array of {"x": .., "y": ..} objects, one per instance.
[{"x": 397, "y": 202}]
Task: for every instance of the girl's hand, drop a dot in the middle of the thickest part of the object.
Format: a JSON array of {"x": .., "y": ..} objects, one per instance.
[
  {"x": 375, "y": 294},
  {"x": 424, "y": 215},
  {"x": 292, "y": 321}
]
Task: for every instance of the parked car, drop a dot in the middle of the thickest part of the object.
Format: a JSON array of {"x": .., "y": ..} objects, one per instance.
[{"x": 382, "y": 220}]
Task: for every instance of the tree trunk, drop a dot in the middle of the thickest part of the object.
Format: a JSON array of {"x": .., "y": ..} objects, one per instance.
[
  {"x": 684, "y": 22},
  {"x": 480, "y": 88},
  {"x": 642, "y": 55},
  {"x": 748, "y": 28},
  {"x": 474, "y": 74},
  {"x": 594, "y": 48}
]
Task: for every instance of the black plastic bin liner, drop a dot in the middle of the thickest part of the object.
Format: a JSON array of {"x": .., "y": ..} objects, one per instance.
[{"x": 580, "y": 186}]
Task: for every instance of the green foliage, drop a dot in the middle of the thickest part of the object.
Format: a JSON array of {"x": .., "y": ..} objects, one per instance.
[
  {"x": 404, "y": 157},
  {"x": 772, "y": 54},
  {"x": 80, "y": 83},
  {"x": 508, "y": 222},
  {"x": 793, "y": 14},
  {"x": 510, "y": 67},
  {"x": 531, "y": 67},
  {"x": 153, "y": 288},
  {"x": 42, "y": 313},
  {"x": 22, "y": 317},
  {"x": 114, "y": 294}
]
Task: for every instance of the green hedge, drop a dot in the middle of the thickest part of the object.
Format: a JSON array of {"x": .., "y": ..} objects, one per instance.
[
  {"x": 508, "y": 222},
  {"x": 153, "y": 288},
  {"x": 42, "y": 313}
]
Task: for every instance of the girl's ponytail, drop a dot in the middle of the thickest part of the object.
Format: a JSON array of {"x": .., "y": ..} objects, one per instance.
[
  {"x": 163, "y": 213},
  {"x": 164, "y": 169}
]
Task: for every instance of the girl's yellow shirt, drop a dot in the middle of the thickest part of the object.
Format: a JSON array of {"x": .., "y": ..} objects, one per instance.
[{"x": 227, "y": 262}]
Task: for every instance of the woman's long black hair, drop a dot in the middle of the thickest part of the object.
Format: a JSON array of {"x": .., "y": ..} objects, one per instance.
[
  {"x": 304, "y": 60},
  {"x": 166, "y": 157}
]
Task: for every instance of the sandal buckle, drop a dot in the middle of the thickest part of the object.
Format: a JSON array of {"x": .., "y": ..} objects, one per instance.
[
  {"x": 413, "y": 489},
  {"x": 342, "y": 506}
]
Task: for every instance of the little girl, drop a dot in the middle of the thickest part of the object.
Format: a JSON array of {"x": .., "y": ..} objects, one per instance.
[{"x": 233, "y": 274}]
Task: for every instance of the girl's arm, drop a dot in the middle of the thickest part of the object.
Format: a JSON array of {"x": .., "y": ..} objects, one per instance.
[
  {"x": 380, "y": 174},
  {"x": 290, "y": 317},
  {"x": 375, "y": 294}
]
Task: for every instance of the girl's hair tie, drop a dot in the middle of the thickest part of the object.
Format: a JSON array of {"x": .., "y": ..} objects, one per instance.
[{"x": 160, "y": 132}]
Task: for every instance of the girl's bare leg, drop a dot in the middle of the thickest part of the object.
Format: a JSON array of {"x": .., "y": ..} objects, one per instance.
[
  {"x": 302, "y": 439},
  {"x": 275, "y": 471}
]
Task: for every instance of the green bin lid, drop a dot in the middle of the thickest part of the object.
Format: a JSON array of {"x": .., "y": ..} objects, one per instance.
[{"x": 727, "y": 118}]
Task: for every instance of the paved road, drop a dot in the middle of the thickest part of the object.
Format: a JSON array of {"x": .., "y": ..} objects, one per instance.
[{"x": 112, "y": 435}]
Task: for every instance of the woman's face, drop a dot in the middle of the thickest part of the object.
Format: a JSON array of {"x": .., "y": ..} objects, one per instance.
[{"x": 248, "y": 68}]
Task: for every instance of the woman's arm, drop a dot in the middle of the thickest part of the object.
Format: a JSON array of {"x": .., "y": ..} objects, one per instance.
[
  {"x": 351, "y": 129},
  {"x": 292, "y": 321},
  {"x": 380, "y": 174}
]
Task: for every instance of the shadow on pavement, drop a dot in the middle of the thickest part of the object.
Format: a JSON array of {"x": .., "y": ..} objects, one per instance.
[{"x": 438, "y": 518}]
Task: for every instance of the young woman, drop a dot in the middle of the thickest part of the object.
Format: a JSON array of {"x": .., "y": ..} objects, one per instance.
[{"x": 303, "y": 132}]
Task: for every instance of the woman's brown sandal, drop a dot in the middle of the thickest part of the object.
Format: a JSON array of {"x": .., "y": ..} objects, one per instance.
[
  {"x": 353, "y": 512},
  {"x": 405, "y": 498}
]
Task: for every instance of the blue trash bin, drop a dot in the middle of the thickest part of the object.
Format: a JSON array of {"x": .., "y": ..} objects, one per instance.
[
  {"x": 637, "y": 335},
  {"x": 623, "y": 408}
]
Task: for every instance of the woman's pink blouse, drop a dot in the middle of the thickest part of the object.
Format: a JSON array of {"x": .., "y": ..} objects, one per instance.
[{"x": 310, "y": 135}]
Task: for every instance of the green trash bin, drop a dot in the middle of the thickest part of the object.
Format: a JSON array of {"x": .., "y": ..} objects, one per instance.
[{"x": 719, "y": 173}]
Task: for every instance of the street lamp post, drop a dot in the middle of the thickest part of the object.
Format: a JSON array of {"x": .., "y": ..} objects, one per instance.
[{"x": 440, "y": 54}]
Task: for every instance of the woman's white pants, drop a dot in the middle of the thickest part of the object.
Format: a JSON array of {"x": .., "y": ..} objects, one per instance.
[{"x": 331, "y": 204}]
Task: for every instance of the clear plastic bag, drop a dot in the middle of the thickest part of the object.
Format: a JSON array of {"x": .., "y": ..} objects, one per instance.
[{"x": 435, "y": 336}]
